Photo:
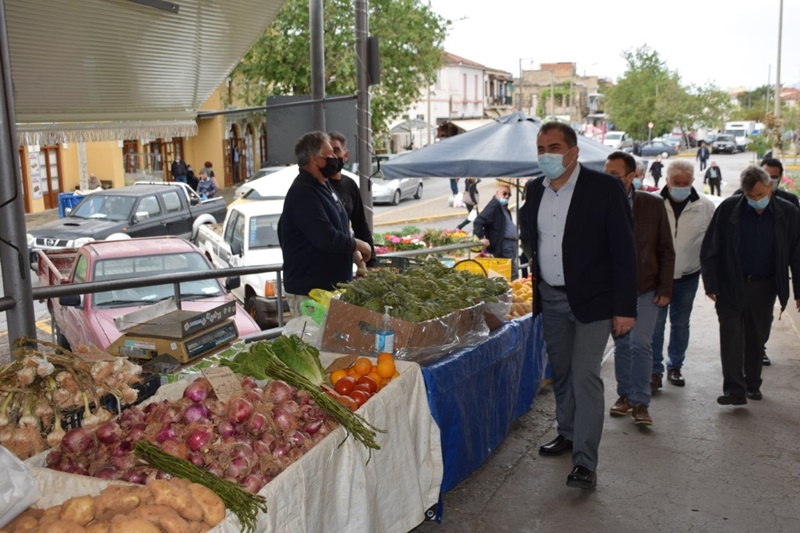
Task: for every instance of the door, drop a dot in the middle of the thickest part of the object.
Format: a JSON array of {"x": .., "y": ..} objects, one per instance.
[
  {"x": 176, "y": 214},
  {"x": 149, "y": 218},
  {"x": 50, "y": 170}
]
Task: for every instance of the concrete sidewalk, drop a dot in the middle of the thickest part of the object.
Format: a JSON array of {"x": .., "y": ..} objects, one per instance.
[{"x": 701, "y": 467}]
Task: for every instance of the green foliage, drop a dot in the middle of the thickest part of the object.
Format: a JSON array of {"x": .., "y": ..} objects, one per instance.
[{"x": 410, "y": 34}]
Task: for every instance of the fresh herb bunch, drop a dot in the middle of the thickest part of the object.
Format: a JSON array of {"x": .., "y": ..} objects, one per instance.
[{"x": 423, "y": 292}]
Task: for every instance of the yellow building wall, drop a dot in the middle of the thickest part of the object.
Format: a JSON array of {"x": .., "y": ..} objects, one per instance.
[
  {"x": 207, "y": 144},
  {"x": 104, "y": 159}
]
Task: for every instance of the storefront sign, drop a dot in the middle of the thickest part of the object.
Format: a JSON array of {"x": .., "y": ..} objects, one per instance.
[{"x": 36, "y": 175}]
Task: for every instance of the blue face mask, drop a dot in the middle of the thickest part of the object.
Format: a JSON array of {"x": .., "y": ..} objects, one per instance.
[
  {"x": 758, "y": 204},
  {"x": 774, "y": 185},
  {"x": 502, "y": 201},
  {"x": 552, "y": 165},
  {"x": 680, "y": 194},
  {"x": 637, "y": 183}
]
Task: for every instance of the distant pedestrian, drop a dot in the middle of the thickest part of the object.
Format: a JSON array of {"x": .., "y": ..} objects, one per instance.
[
  {"x": 655, "y": 170},
  {"x": 713, "y": 177},
  {"x": 470, "y": 199},
  {"x": 752, "y": 243},
  {"x": 206, "y": 186},
  {"x": 178, "y": 170},
  {"x": 496, "y": 229},
  {"x": 209, "y": 166},
  {"x": 702, "y": 155}
]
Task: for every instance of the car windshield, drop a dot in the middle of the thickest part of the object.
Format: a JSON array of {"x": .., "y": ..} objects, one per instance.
[
  {"x": 105, "y": 206},
  {"x": 151, "y": 265},
  {"x": 736, "y": 133},
  {"x": 613, "y": 136},
  {"x": 727, "y": 138},
  {"x": 264, "y": 232}
]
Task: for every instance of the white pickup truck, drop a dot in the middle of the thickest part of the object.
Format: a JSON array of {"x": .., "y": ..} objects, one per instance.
[{"x": 249, "y": 237}]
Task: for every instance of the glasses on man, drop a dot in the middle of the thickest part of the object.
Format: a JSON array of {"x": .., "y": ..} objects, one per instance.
[{"x": 506, "y": 194}]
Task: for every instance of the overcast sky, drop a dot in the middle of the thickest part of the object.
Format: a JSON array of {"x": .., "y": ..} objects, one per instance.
[{"x": 731, "y": 43}]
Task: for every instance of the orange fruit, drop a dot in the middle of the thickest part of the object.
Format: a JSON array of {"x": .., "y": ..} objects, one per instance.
[
  {"x": 385, "y": 356},
  {"x": 352, "y": 372},
  {"x": 374, "y": 368},
  {"x": 386, "y": 369},
  {"x": 376, "y": 377},
  {"x": 396, "y": 374},
  {"x": 336, "y": 375},
  {"x": 363, "y": 366}
]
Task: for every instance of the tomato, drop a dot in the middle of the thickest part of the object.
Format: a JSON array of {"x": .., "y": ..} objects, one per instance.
[
  {"x": 360, "y": 397},
  {"x": 369, "y": 382},
  {"x": 345, "y": 385},
  {"x": 348, "y": 402},
  {"x": 363, "y": 387}
]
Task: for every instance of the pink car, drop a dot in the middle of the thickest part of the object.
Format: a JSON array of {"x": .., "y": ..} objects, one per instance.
[{"x": 89, "y": 318}]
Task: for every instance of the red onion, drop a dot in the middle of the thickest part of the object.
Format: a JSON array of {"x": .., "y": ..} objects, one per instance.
[
  {"x": 215, "y": 407},
  {"x": 196, "y": 458},
  {"x": 245, "y": 451},
  {"x": 79, "y": 440},
  {"x": 253, "y": 483},
  {"x": 257, "y": 424},
  {"x": 130, "y": 417},
  {"x": 298, "y": 439},
  {"x": 239, "y": 409},
  {"x": 137, "y": 474},
  {"x": 238, "y": 468},
  {"x": 120, "y": 448},
  {"x": 108, "y": 432},
  {"x": 215, "y": 469},
  {"x": 198, "y": 439},
  {"x": 303, "y": 397},
  {"x": 137, "y": 431},
  {"x": 248, "y": 383},
  {"x": 313, "y": 426},
  {"x": 283, "y": 419},
  {"x": 254, "y": 395},
  {"x": 292, "y": 407},
  {"x": 198, "y": 390},
  {"x": 74, "y": 468},
  {"x": 123, "y": 463},
  {"x": 279, "y": 391},
  {"x": 195, "y": 413},
  {"x": 53, "y": 459},
  {"x": 281, "y": 450},
  {"x": 167, "y": 432},
  {"x": 226, "y": 428},
  {"x": 261, "y": 448},
  {"x": 175, "y": 448}
]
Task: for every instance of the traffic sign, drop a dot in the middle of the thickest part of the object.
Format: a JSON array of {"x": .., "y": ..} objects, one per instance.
[{"x": 650, "y": 125}]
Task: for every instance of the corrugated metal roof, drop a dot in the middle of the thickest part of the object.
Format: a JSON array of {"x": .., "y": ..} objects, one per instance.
[{"x": 124, "y": 65}]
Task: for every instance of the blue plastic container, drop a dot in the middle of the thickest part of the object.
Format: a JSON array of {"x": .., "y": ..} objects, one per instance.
[{"x": 67, "y": 200}]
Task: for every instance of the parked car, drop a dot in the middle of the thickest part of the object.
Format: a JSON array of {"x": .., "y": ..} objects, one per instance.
[
  {"x": 618, "y": 140},
  {"x": 89, "y": 318},
  {"x": 392, "y": 191},
  {"x": 655, "y": 148},
  {"x": 724, "y": 144},
  {"x": 142, "y": 210},
  {"x": 274, "y": 186},
  {"x": 266, "y": 171}
]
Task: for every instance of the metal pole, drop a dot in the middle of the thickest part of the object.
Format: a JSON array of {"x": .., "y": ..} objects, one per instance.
[
  {"x": 316, "y": 29},
  {"x": 13, "y": 246},
  {"x": 552, "y": 95},
  {"x": 778, "y": 68},
  {"x": 769, "y": 77},
  {"x": 519, "y": 93},
  {"x": 363, "y": 116}
]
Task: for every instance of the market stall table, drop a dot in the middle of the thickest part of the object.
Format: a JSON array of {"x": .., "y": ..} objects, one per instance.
[
  {"x": 335, "y": 486},
  {"x": 476, "y": 393}
]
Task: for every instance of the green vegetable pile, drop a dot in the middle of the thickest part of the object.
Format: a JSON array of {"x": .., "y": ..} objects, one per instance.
[{"x": 422, "y": 292}]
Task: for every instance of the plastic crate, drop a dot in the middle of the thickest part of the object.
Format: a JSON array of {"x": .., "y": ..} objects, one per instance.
[
  {"x": 400, "y": 263},
  {"x": 482, "y": 265},
  {"x": 148, "y": 387},
  {"x": 67, "y": 200}
]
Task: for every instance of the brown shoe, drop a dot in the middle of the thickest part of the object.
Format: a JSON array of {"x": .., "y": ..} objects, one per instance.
[
  {"x": 655, "y": 382},
  {"x": 621, "y": 408},
  {"x": 675, "y": 377},
  {"x": 640, "y": 415}
]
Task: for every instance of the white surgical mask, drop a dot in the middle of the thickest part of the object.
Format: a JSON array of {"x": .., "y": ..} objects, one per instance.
[
  {"x": 552, "y": 165},
  {"x": 680, "y": 194}
]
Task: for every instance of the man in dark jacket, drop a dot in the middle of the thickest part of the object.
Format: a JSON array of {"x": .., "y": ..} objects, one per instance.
[
  {"x": 578, "y": 226},
  {"x": 702, "y": 155},
  {"x": 350, "y": 194},
  {"x": 178, "y": 169},
  {"x": 655, "y": 262},
  {"x": 752, "y": 242},
  {"x": 496, "y": 229},
  {"x": 313, "y": 230}
]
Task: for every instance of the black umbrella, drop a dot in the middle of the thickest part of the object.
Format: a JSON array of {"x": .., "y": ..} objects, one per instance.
[{"x": 505, "y": 148}]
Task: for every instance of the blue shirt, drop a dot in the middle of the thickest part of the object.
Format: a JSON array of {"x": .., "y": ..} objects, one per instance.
[
  {"x": 757, "y": 241},
  {"x": 551, "y": 221}
]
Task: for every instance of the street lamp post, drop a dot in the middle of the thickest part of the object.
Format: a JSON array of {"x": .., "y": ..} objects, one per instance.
[{"x": 778, "y": 68}]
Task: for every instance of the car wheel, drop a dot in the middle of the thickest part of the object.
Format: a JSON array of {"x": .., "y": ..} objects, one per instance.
[
  {"x": 252, "y": 310},
  {"x": 418, "y": 194},
  {"x": 396, "y": 197},
  {"x": 62, "y": 341}
]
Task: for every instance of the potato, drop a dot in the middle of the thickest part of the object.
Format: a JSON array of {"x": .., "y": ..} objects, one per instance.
[
  {"x": 180, "y": 482},
  {"x": 101, "y": 526},
  {"x": 150, "y": 512},
  {"x": 212, "y": 505},
  {"x": 133, "y": 525},
  {"x": 116, "y": 500},
  {"x": 171, "y": 522},
  {"x": 176, "y": 497},
  {"x": 50, "y": 515},
  {"x": 79, "y": 510},
  {"x": 63, "y": 526},
  {"x": 25, "y": 521}
]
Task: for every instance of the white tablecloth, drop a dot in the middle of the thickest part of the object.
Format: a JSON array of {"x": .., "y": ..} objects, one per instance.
[{"x": 332, "y": 487}]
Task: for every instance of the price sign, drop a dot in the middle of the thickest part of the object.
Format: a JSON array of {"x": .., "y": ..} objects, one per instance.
[
  {"x": 650, "y": 125},
  {"x": 223, "y": 381}
]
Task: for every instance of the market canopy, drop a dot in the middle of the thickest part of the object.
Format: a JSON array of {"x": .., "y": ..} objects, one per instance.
[
  {"x": 504, "y": 148},
  {"x": 89, "y": 70}
]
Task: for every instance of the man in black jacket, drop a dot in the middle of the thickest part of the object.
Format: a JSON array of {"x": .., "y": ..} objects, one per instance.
[
  {"x": 578, "y": 226},
  {"x": 496, "y": 229},
  {"x": 178, "y": 169},
  {"x": 350, "y": 194},
  {"x": 313, "y": 230},
  {"x": 752, "y": 242}
]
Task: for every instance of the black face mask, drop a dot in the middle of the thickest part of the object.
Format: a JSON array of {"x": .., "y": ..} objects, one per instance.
[{"x": 332, "y": 166}]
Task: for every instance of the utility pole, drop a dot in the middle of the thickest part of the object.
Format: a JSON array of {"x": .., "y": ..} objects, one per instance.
[
  {"x": 316, "y": 31},
  {"x": 778, "y": 68}
]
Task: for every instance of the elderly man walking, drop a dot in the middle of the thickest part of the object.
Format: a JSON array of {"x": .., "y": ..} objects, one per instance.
[
  {"x": 752, "y": 242},
  {"x": 577, "y": 223},
  {"x": 689, "y": 215}
]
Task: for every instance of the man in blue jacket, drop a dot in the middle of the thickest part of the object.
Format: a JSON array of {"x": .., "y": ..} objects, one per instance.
[
  {"x": 314, "y": 231},
  {"x": 497, "y": 230},
  {"x": 578, "y": 226}
]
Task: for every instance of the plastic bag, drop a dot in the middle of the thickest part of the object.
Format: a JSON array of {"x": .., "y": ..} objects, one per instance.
[
  {"x": 473, "y": 214},
  {"x": 18, "y": 489},
  {"x": 306, "y": 328}
]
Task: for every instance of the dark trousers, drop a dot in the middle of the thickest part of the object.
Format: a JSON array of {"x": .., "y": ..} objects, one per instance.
[
  {"x": 703, "y": 164},
  {"x": 714, "y": 183},
  {"x": 742, "y": 332}
]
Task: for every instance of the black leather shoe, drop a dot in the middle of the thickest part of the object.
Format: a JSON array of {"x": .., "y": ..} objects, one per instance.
[
  {"x": 731, "y": 399},
  {"x": 557, "y": 446},
  {"x": 581, "y": 478},
  {"x": 754, "y": 394},
  {"x": 765, "y": 360}
]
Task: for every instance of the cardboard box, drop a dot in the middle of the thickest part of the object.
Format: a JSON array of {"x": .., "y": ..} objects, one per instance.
[{"x": 351, "y": 329}]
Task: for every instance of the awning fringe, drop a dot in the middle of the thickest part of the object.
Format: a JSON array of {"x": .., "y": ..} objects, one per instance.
[{"x": 58, "y": 133}]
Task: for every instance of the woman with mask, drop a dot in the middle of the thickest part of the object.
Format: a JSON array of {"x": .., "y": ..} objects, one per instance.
[
  {"x": 206, "y": 186},
  {"x": 497, "y": 230}
]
